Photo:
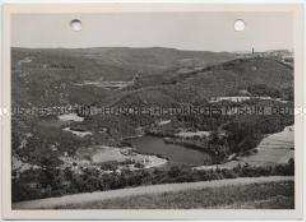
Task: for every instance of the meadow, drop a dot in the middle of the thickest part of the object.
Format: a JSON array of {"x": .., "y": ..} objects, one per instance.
[{"x": 272, "y": 195}]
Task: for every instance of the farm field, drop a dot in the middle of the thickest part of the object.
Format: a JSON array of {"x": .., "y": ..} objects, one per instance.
[{"x": 274, "y": 149}]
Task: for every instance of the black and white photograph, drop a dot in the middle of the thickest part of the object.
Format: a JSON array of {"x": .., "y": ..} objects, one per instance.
[{"x": 153, "y": 110}]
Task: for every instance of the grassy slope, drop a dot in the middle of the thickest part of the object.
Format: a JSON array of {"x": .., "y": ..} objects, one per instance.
[
  {"x": 227, "y": 192},
  {"x": 273, "y": 195}
]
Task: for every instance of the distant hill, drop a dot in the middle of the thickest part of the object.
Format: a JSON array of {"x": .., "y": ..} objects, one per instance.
[
  {"x": 258, "y": 76},
  {"x": 48, "y": 76},
  {"x": 53, "y": 76},
  {"x": 119, "y": 63}
]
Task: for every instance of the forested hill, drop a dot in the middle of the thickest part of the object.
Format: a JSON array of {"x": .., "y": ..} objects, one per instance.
[{"x": 58, "y": 76}]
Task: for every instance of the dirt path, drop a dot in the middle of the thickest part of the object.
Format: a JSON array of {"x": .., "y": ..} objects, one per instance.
[{"x": 58, "y": 202}]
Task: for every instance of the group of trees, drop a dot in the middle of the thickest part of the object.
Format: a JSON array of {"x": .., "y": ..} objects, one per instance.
[
  {"x": 264, "y": 90},
  {"x": 245, "y": 133}
]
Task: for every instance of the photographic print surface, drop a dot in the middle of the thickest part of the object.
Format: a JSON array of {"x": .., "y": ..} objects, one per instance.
[{"x": 163, "y": 110}]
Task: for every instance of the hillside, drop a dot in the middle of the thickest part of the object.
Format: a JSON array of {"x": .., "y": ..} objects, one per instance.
[
  {"x": 83, "y": 76},
  {"x": 119, "y": 63},
  {"x": 257, "y": 76},
  {"x": 55, "y": 76}
]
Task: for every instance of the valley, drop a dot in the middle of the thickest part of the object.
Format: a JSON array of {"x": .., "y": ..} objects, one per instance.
[{"x": 102, "y": 119}]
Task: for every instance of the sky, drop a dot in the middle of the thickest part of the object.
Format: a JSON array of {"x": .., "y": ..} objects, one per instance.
[{"x": 203, "y": 31}]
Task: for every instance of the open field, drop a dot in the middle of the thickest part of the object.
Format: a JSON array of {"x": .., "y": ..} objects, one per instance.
[
  {"x": 272, "y": 195},
  {"x": 274, "y": 149},
  {"x": 277, "y": 148},
  {"x": 231, "y": 191}
]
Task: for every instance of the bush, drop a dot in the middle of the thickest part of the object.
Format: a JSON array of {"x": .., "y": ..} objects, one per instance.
[{"x": 139, "y": 165}]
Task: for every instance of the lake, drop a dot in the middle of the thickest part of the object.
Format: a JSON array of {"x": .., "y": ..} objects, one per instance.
[{"x": 175, "y": 153}]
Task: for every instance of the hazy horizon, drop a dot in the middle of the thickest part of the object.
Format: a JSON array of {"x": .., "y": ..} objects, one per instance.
[{"x": 207, "y": 31}]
